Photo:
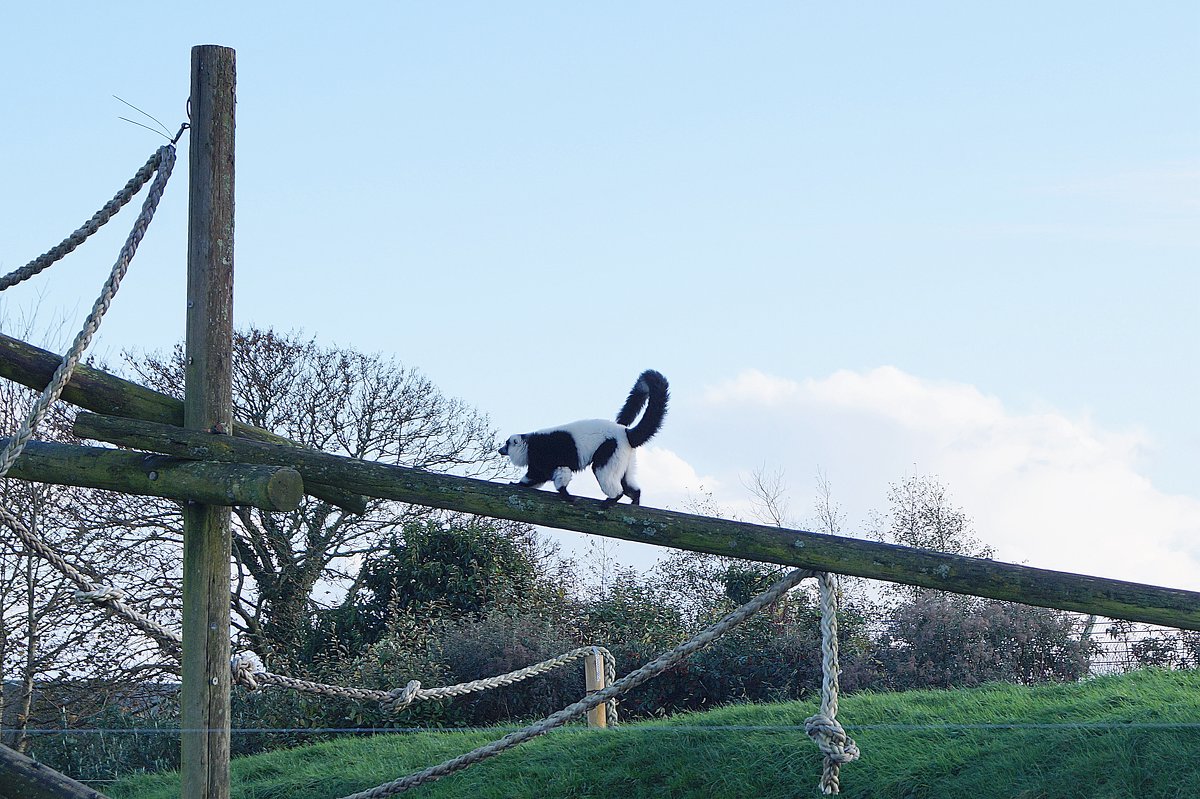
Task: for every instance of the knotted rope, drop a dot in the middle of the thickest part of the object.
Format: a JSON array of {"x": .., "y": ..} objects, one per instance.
[
  {"x": 104, "y": 593},
  {"x": 246, "y": 674},
  {"x": 631, "y": 680},
  {"x": 109, "y": 598},
  {"x": 823, "y": 728}
]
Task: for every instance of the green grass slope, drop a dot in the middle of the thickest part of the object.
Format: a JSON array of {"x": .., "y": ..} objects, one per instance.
[{"x": 1135, "y": 735}]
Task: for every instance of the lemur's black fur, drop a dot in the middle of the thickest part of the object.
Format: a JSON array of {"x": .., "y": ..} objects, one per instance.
[{"x": 608, "y": 447}]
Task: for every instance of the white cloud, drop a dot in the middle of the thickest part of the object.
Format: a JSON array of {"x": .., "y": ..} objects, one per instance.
[
  {"x": 666, "y": 478},
  {"x": 1042, "y": 487}
]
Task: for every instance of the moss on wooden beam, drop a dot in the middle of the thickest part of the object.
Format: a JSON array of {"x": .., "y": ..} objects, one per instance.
[
  {"x": 89, "y": 388},
  {"x": 272, "y": 488},
  {"x": 986, "y": 578},
  {"x": 99, "y": 391}
]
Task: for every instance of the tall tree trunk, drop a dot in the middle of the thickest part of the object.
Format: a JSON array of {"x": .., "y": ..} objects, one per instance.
[{"x": 29, "y": 668}]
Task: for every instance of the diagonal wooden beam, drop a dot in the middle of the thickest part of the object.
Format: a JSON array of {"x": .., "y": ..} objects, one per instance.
[
  {"x": 23, "y": 777},
  {"x": 853, "y": 556}
]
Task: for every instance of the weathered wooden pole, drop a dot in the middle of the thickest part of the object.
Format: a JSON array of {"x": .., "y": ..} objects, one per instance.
[
  {"x": 593, "y": 676},
  {"x": 208, "y": 405}
]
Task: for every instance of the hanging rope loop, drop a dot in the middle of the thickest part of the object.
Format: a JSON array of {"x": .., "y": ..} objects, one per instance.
[
  {"x": 823, "y": 727},
  {"x": 163, "y": 161},
  {"x": 85, "y": 231},
  {"x": 159, "y": 165}
]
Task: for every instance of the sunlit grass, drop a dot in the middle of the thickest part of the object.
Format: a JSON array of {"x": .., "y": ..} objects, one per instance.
[{"x": 1135, "y": 735}]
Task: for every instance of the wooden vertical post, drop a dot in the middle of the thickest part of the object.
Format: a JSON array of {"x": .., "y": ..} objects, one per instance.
[
  {"x": 208, "y": 405},
  {"x": 593, "y": 673}
]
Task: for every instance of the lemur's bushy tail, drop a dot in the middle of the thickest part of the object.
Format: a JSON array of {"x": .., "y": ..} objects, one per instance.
[{"x": 650, "y": 391}]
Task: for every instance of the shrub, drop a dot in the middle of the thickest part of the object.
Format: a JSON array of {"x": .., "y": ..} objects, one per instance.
[{"x": 938, "y": 640}]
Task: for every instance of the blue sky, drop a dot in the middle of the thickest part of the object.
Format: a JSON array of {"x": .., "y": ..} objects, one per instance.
[{"x": 878, "y": 240}]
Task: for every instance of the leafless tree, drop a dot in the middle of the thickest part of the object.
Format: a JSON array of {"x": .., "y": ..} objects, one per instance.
[
  {"x": 829, "y": 514},
  {"x": 50, "y": 644},
  {"x": 768, "y": 490},
  {"x": 922, "y": 515},
  {"x": 340, "y": 401}
]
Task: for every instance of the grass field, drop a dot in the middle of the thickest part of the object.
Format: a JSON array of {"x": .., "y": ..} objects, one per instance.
[{"x": 1134, "y": 735}]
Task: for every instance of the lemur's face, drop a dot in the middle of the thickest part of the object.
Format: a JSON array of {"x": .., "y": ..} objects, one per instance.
[{"x": 517, "y": 450}]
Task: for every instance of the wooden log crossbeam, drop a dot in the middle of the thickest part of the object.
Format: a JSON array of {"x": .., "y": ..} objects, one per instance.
[
  {"x": 819, "y": 552},
  {"x": 272, "y": 488},
  {"x": 25, "y": 778},
  {"x": 99, "y": 391}
]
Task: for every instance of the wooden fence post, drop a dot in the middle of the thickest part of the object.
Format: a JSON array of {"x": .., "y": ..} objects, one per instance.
[
  {"x": 208, "y": 405},
  {"x": 593, "y": 673}
]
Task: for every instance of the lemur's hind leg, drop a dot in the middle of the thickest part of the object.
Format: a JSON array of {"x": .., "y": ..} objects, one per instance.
[
  {"x": 634, "y": 494},
  {"x": 607, "y": 467},
  {"x": 627, "y": 490}
]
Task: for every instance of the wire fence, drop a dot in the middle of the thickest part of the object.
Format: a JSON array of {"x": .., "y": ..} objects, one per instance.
[
  {"x": 1123, "y": 646},
  {"x": 642, "y": 728}
]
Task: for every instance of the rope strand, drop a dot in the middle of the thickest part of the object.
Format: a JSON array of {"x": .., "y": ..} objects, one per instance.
[
  {"x": 81, "y": 235},
  {"x": 397, "y": 699},
  {"x": 836, "y": 746},
  {"x": 165, "y": 161}
]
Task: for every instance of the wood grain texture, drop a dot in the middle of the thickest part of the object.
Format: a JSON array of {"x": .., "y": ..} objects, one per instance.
[{"x": 208, "y": 405}]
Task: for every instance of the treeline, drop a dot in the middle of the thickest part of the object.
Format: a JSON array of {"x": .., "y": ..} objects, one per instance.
[{"x": 398, "y": 593}]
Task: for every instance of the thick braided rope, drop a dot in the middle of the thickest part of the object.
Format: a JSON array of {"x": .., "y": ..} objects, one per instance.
[
  {"x": 631, "y": 680},
  {"x": 836, "y": 746},
  {"x": 106, "y": 597},
  {"x": 399, "y": 698},
  {"x": 87, "y": 229},
  {"x": 163, "y": 161},
  {"x": 166, "y": 161}
]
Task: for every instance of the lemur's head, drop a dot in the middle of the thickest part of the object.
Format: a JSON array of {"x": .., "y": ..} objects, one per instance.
[{"x": 517, "y": 450}]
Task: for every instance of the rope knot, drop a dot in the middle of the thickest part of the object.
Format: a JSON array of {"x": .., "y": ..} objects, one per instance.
[
  {"x": 243, "y": 670},
  {"x": 835, "y": 745},
  {"x": 400, "y": 698},
  {"x": 831, "y": 738},
  {"x": 105, "y": 593}
]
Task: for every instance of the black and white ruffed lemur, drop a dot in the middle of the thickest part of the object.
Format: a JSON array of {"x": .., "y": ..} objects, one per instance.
[{"x": 556, "y": 453}]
